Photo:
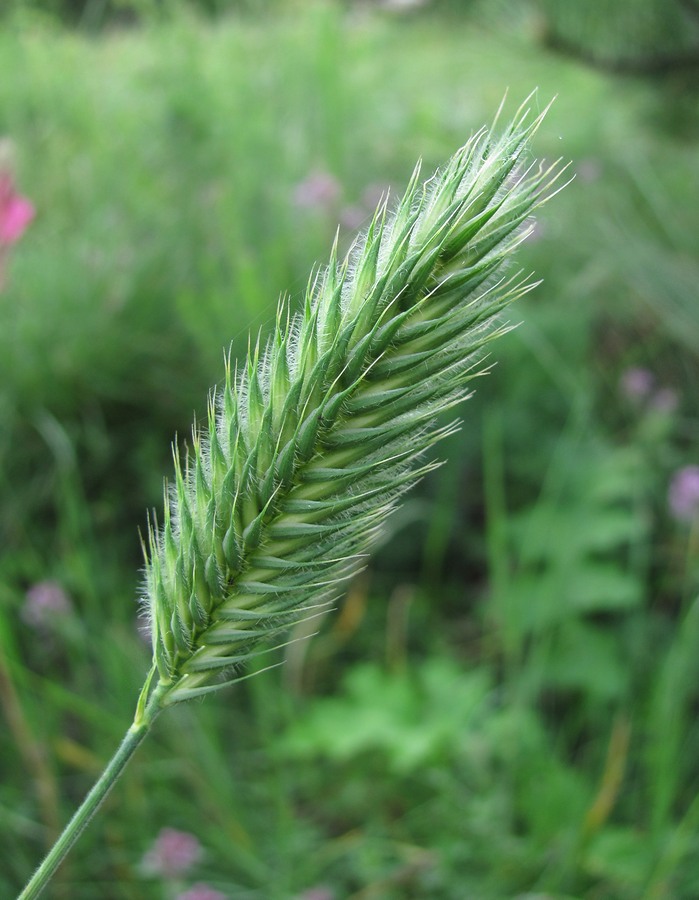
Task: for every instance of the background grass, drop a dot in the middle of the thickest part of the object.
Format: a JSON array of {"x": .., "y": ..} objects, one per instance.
[{"x": 505, "y": 702}]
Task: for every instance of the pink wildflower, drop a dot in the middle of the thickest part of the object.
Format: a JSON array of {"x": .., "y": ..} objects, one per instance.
[
  {"x": 173, "y": 853},
  {"x": 320, "y": 190},
  {"x": 201, "y": 892},
  {"x": 45, "y": 602},
  {"x": 15, "y": 212},
  {"x": 636, "y": 383},
  {"x": 683, "y": 494}
]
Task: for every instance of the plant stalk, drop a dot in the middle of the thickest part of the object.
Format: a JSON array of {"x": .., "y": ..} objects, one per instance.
[{"x": 132, "y": 740}]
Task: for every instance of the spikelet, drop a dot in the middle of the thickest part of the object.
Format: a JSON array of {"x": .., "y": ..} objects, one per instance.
[{"x": 311, "y": 444}]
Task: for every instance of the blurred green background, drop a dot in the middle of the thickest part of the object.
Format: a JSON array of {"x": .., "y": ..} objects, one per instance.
[{"x": 505, "y": 704}]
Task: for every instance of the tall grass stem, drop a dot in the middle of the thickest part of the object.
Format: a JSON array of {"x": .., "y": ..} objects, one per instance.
[{"x": 132, "y": 740}]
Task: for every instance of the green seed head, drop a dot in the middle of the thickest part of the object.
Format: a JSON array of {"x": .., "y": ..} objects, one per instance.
[{"x": 313, "y": 441}]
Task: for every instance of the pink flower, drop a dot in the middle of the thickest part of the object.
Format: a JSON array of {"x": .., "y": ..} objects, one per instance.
[
  {"x": 15, "y": 212},
  {"x": 45, "y": 602},
  {"x": 173, "y": 853},
  {"x": 636, "y": 383},
  {"x": 320, "y": 190},
  {"x": 683, "y": 494},
  {"x": 201, "y": 892}
]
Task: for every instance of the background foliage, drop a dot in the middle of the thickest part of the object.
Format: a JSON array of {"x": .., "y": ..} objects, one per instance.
[{"x": 505, "y": 703}]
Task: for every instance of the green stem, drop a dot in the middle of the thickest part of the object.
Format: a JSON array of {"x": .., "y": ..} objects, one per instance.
[{"x": 132, "y": 740}]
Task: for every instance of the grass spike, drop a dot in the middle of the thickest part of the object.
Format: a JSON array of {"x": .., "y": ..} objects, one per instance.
[{"x": 312, "y": 441}]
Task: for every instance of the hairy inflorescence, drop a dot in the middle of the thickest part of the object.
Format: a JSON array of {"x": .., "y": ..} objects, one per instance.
[{"x": 311, "y": 443}]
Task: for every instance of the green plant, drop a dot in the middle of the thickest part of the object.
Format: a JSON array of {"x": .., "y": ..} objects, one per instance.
[
  {"x": 643, "y": 36},
  {"x": 577, "y": 555},
  {"x": 314, "y": 441}
]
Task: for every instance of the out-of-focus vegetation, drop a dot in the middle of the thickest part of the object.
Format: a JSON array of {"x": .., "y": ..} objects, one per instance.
[{"x": 505, "y": 703}]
